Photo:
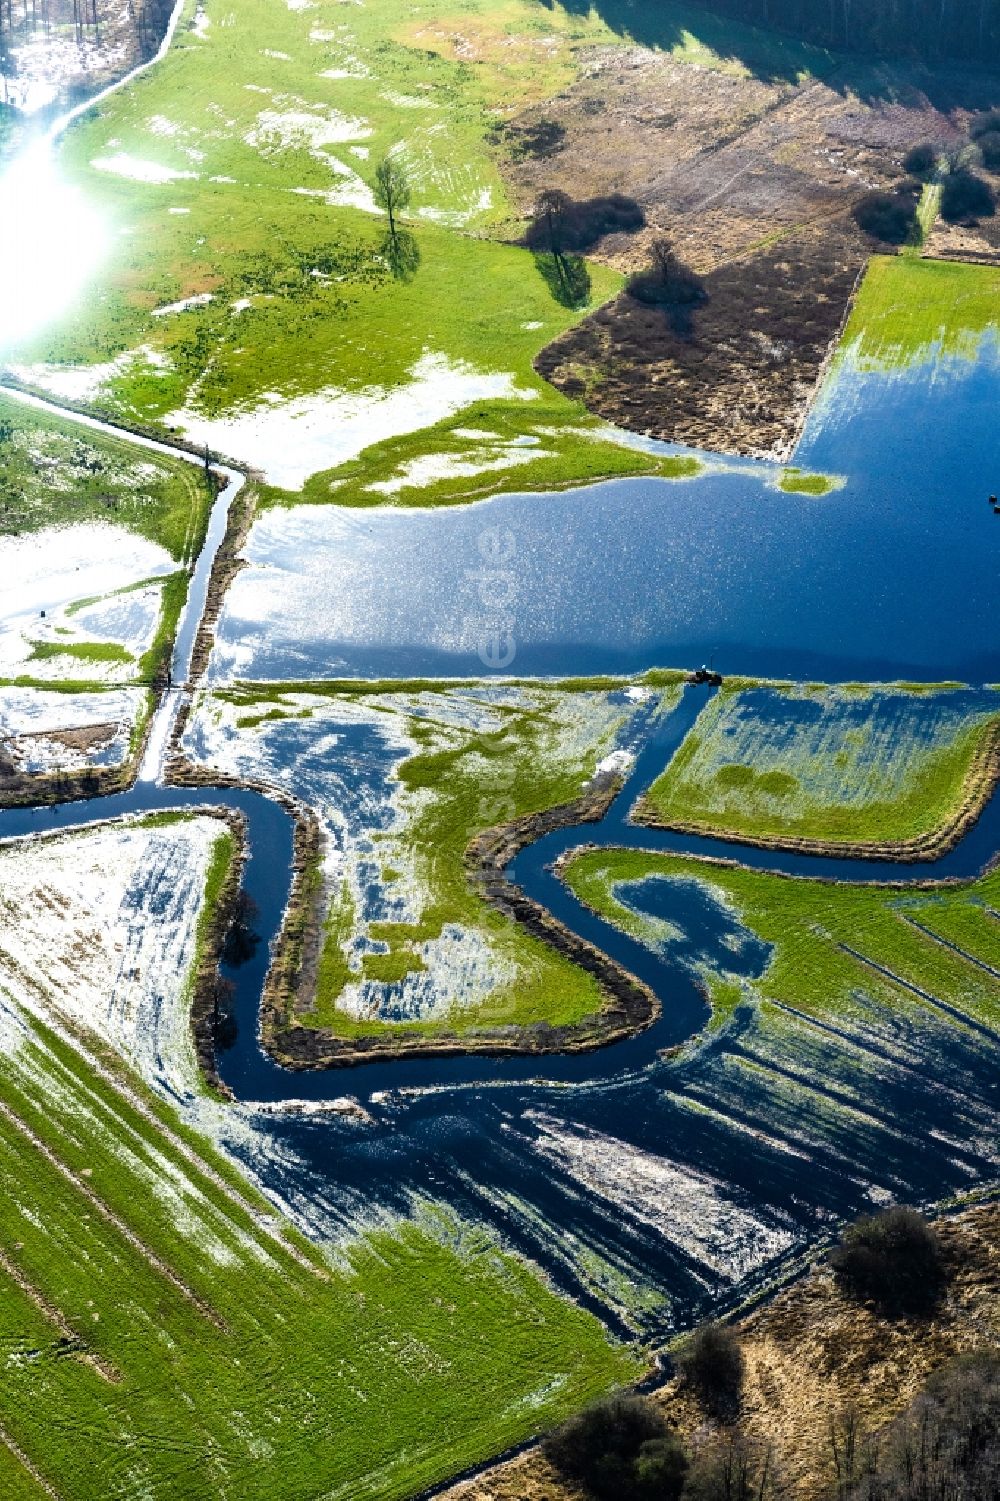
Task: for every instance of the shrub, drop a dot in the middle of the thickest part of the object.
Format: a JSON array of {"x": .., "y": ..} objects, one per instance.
[
  {"x": 983, "y": 124},
  {"x": 989, "y": 146},
  {"x": 921, "y": 160},
  {"x": 893, "y": 1260},
  {"x": 890, "y": 217},
  {"x": 537, "y": 138},
  {"x": 966, "y": 196},
  {"x": 621, "y": 1447},
  {"x": 711, "y": 1361},
  {"x": 659, "y": 1469}
]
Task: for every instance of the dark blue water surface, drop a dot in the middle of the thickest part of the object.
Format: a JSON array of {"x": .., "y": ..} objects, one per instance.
[{"x": 892, "y": 575}]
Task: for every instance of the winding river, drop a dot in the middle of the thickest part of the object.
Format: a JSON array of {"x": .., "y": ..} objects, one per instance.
[
  {"x": 476, "y": 1133},
  {"x": 739, "y": 1154}
]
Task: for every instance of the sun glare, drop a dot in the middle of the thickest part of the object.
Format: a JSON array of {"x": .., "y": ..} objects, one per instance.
[{"x": 51, "y": 241}]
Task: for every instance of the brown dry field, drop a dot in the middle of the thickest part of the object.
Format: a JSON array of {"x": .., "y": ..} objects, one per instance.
[
  {"x": 753, "y": 181},
  {"x": 810, "y": 1354}
]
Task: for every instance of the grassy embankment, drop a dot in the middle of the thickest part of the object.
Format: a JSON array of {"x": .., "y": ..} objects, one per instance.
[
  {"x": 810, "y": 925},
  {"x": 264, "y": 126},
  {"x": 826, "y": 764},
  {"x": 458, "y": 781},
  {"x": 53, "y": 473},
  {"x": 908, "y": 310},
  {"x": 56, "y": 473},
  {"x": 165, "y": 1331}
]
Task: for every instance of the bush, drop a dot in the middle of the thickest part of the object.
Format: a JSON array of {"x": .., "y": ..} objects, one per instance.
[
  {"x": 890, "y": 217},
  {"x": 921, "y": 160},
  {"x": 711, "y": 1361},
  {"x": 983, "y": 124},
  {"x": 538, "y": 138},
  {"x": 989, "y": 147},
  {"x": 966, "y": 196},
  {"x": 893, "y": 1260},
  {"x": 620, "y": 1448}
]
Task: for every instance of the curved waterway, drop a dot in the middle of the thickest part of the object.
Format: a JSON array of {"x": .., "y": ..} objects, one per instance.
[
  {"x": 500, "y": 1139},
  {"x": 651, "y": 1189}
]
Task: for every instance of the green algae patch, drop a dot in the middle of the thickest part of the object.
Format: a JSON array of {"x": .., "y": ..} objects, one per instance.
[
  {"x": 854, "y": 764},
  {"x": 827, "y": 942},
  {"x": 800, "y": 482},
  {"x": 909, "y": 311}
]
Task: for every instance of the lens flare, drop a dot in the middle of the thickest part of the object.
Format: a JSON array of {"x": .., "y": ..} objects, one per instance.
[{"x": 51, "y": 242}]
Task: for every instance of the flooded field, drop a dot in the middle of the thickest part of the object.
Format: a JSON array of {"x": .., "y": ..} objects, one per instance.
[
  {"x": 392, "y": 824},
  {"x": 893, "y": 575}
]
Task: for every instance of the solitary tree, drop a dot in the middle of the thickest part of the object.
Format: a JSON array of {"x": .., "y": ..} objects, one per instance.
[
  {"x": 392, "y": 189},
  {"x": 552, "y": 214},
  {"x": 711, "y": 1362}
]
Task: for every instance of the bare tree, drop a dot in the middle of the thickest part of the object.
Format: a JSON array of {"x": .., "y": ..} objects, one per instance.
[{"x": 392, "y": 189}]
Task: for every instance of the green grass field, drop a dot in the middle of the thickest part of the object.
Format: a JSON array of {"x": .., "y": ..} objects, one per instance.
[
  {"x": 165, "y": 1333},
  {"x": 909, "y": 310},
  {"x": 53, "y": 473},
  {"x": 843, "y": 764},
  {"x": 811, "y": 924},
  {"x": 240, "y": 168}
]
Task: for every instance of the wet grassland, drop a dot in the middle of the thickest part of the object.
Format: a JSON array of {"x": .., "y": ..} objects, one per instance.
[
  {"x": 250, "y": 263},
  {"x": 163, "y": 1327},
  {"x": 97, "y": 540},
  {"x": 250, "y": 294},
  {"x": 215, "y": 1299},
  {"x": 397, "y": 944},
  {"x": 893, "y": 769}
]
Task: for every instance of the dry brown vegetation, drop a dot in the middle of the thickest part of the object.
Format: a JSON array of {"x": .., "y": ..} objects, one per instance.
[
  {"x": 754, "y": 183},
  {"x": 811, "y": 1354}
]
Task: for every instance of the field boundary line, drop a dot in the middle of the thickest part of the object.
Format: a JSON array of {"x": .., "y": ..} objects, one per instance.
[
  {"x": 924, "y": 995},
  {"x": 55, "y": 1316},
  {"x": 953, "y": 948},
  {"x": 108, "y": 1214}
]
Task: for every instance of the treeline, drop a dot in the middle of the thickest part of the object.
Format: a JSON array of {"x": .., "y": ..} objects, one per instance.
[
  {"x": 956, "y": 30},
  {"x": 22, "y": 20}
]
